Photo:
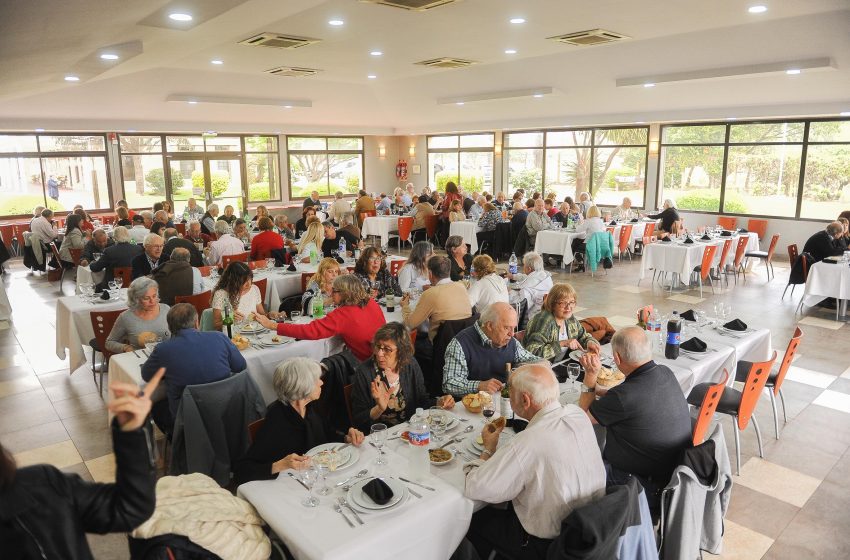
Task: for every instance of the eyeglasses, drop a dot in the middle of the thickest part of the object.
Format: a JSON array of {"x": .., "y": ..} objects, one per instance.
[
  {"x": 384, "y": 349},
  {"x": 374, "y": 259},
  {"x": 150, "y": 298},
  {"x": 562, "y": 303}
]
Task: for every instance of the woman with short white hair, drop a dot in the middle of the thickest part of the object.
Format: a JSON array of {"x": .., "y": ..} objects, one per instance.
[
  {"x": 532, "y": 285},
  {"x": 143, "y": 322},
  {"x": 669, "y": 217},
  {"x": 291, "y": 428}
]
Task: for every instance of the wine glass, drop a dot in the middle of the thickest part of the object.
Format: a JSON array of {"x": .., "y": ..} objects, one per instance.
[
  {"x": 308, "y": 477},
  {"x": 488, "y": 409},
  {"x": 323, "y": 468},
  {"x": 437, "y": 421},
  {"x": 269, "y": 263},
  {"x": 573, "y": 371},
  {"x": 701, "y": 314},
  {"x": 384, "y": 249},
  {"x": 119, "y": 281},
  {"x": 378, "y": 436}
]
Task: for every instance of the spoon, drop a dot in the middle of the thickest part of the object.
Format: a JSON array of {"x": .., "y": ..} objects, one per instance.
[{"x": 360, "y": 474}]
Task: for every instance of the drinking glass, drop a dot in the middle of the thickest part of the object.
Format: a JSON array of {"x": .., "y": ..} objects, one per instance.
[
  {"x": 437, "y": 420},
  {"x": 309, "y": 476},
  {"x": 323, "y": 469},
  {"x": 269, "y": 263},
  {"x": 384, "y": 249},
  {"x": 295, "y": 315},
  {"x": 488, "y": 409},
  {"x": 701, "y": 314},
  {"x": 378, "y": 436},
  {"x": 573, "y": 371},
  {"x": 119, "y": 281}
]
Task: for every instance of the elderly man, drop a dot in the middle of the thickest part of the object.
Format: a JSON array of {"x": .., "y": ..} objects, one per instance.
[
  {"x": 364, "y": 203},
  {"x": 139, "y": 231},
  {"x": 226, "y": 244},
  {"x": 826, "y": 243},
  {"x": 477, "y": 356},
  {"x": 190, "y": 358},
  {"x": 176, "y": 277},
  {"x": 384, "y": 205},
  {"x": 312, "y": 200},
  {"x": 409, "y": 195},
  {"x": 538, "y": 220},
  {"x": 339, "y": 207},
  {"x": 532, "y": 284},
  {"x": 584, "y": 202},
  {"x": 147, "y": 219},
  {"x": 42, "y": 227},
  {"x": 149, "y": 260},
  {"x": 420, "y": 213},
  {"x": 347, "y": 224},
  {"x": 196, "y": 236},
  {"x": 478, "y": 208},
  {"x": 283, "y": 227},
  {"x": 240, "y": 232},
  {"x": 192, "y": 210},
  {"x": 160, "y": 222},
  {"x": 624, "y": 211},
  {"x": 98, "y": 242},
  {"x": 119, "y": 255},
  {"x": 173, "y": 240},
  {"x": 647, "y": 419},
  {"x": 208, "y": 220},
  {"x": 548, "y": 470},
  {"x": 444, "y": 301},
  {"x": 332, "y": 237}
]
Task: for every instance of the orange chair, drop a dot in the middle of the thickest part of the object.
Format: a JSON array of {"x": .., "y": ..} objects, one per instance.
[
  {"x": 793, "y": 253},
  {"x": 727, "y": 222},
  {"x": 125, "y": 273},
  {"x": 395, "y": 266},
  {"x": 707, "y": 408},
  {"x": 181, "y": 229},
  {"x": 61, "y": 270},
  {"x": 261, "y": 285},
  {"x": 768, "y": 256},
  {"x": 205, "y": 270},
  {"x": 254, "y": 427},
  {"x": 625, "y": 238},
  {"x": 199, "y": 301},
  {"x": 724, "y": 254},
  {"x": 405, "y": 226},
  {"x": 739, "y": 404},
  {"x": 254, "y": 265},
  {"x": 610, "y": 229},
  {"x": 238, "y": 257},
  {"x": 305, "y": 279},
  {"x": 75, "y": 255},
  {"x": 431, "y": 223},
  {"x": 737, "y": 264},
  {"x": 704, "y": 268},
  {"x": 101, "y": 323},
  {"x": 413, "y": 338},
  {"x": 364, "y": 215},
  {"x": 7, "y": 234},
  {"x": 758, "y": 226},
  {"x": 108, "y": 219}
]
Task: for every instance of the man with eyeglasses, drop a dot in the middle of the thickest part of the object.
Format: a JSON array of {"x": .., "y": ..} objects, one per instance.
[{"x": 147, "y": 261}]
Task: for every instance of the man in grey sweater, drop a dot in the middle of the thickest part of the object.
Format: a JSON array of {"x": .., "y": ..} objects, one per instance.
[{"x": 537, "y": 221}]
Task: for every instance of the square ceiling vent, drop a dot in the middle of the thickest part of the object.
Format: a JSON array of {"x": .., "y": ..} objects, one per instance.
[
  {"x": 446, "y": 62},
  {"x": 292, "y": 71},
  {"x": 414, "y": 5},
  {"x": 277, "y": 41},
  {"x": 590, "y": 38}
]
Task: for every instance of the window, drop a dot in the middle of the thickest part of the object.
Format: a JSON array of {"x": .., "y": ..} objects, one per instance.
[
  {"x": 324, "y": 164},
  {"x": 826, "y": 184},
  {"x": 466, "y": 160},
  {"x": 57, "y": 171},
  {"x": 142, "y": 172},
  {"x": 261, "y": 168},
  {"x": 524, "y": 161},
  {"x": 691, "y": 166}
]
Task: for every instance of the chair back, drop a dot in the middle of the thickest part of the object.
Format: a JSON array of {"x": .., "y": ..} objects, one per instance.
[
  {"x": 181, "y": 228},
  {"x": 262, "y": 285},
  {"x": 707, "y": 259},
  {"x": 102, "y": 323},
  {"x": 260, "y": 264},
  {"x": 346, "y": 392},
  {"x": 125, "y": 273},
  {"x": 756, "y": 379},
  {"x": 254, "y": 427},
  {"x": 758, "y": 226},
  {"x": 305, "y": 279},
  {"x": 413, "y": 338},
  {"x": 740, "y": 250},
  {"x": 395, "y": 266},
  {"x": 610, "y": 229},
  {"x": 727, "y": 222},
  {"x": 787, "y": 359},
  {"x": 707, "y": 408},
  {"x": 774, "y": 241},
  {"x": 431, "y": 225},
  {"x": 364, "y": 215},
  {"x": 405, "y": 226},
  {"x": 75, "y": 255},
  {"x": 19, "y": 230},
  {"x": 108, "y": 219},
  {"x": 205, "y": 270},
  {"x": 625, "y": 237},
  {"x": 238, "y": 257},
  {"x": 649, "y": 230},
  {"x": 199, "y": 301},
  {"x": 724, "y": 253},
  {"x": 55, "y": 251},
  {"x": 793, "y": 251},
  {"x": 7, "y": 233}
]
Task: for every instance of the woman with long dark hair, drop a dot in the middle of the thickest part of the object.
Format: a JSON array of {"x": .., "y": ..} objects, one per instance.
[
  {"x": 235, "y": 288},
  {"x": 414, "y": 274},
  {"x": 452, "y": 194},
  {"x": 371, "y": 269},
  {"x": 74, "y": 239}
]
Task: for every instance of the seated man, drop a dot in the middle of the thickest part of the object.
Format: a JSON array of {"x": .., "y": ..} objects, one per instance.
[
  {"x": 283, "y": 227},
  {"x": 173, "y": 240},
  {"x": 149, "y": 260},
  {"x": 226, "y": 244},
  {"x": 825, "y": 243},
  {"x": 444, "y": 301},
  {"x": 347, "y": 224},
  {"x": 139, "y": 230},
  {"x": 190, "y": 358},
  {"x": 196, "y": 236},
  {"x": 546, "y": 471},
  {"x": 476, "y": 357},
  {"x": 192, "y": 210},
  {"x": 624, "y": 211},
  {"x": 538, "y": 220},
  {"x": 98, "y": 242},
  {"x": 332, "y": 237},
  {"x": 176, "y": 277},
  {"x": 646, "y": 417},
  {"x": 160, "y": 222},
  {"x": 120, "y": 255},
  {"x": 531, "y": 285}
]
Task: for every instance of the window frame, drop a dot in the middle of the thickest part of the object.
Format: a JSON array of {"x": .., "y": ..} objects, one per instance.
[
  {"x": 457, "y": 151},
  {"x": 326, "y": 152}
]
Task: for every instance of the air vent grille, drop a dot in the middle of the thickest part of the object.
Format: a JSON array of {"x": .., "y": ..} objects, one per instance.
[
  {"x": 277, "y": 41},
  {"x": 590, "y": 38},
  {"x": 293, "y": 72},
  {"x": 415, "y": 5},
  {"x": 446, "y": 62}
]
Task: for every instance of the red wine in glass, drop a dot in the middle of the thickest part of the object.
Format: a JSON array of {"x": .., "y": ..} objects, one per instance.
[{"x": 488, "y": 412}]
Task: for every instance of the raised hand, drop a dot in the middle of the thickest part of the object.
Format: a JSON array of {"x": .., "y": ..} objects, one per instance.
[{"x": 132, "y": 406}]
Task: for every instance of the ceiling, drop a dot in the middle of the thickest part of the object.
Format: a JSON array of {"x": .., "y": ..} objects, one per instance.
[{"x": 42, "y": 42}]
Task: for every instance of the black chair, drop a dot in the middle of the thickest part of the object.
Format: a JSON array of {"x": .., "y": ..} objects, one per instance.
[
  {"x": 445, "y": 334},
  {"x": 290, "y": 304}
]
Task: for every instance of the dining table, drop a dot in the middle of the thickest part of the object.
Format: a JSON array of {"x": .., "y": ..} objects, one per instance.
[
  {"x": 380, "y": 226},
  {"x": 828, "y": 279},
  {"x": 679, "y": 257},
  {"x": 559, "y": 241},
  {"x": 468, "y": 230},
  {"x": 73, "y": 324}
]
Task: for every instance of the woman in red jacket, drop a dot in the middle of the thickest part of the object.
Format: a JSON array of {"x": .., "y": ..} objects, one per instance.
[
  {"x": 266, "y": 241},
  {"x": 452, "y": 194},
  {"x": 356, "y": 319}
]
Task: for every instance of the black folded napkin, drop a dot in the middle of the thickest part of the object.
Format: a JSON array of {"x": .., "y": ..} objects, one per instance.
[
  {"x": 634, "y": 220},
  {"x": 688, "y": 315},
  {"x": 291, "y": 267},
  {"x": 694, "y": 345},
  {"x": 706, "y": 237},
  {"x": 743, "y": 230},
  {"x": 666, "y": 239},
  {"x": 613, "y": 223},
  {"x": 689, "y": 240},
  {"x": 736, "y": 325},
  {"x": 105, "y": 295},
  {"x": 339, "y": 259},
  {"x": 726, "y": 233},
  {"x": 378, "y": 491}
]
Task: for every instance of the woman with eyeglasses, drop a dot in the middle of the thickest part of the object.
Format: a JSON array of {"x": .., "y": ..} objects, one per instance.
[
  {"x": 389, "y": 386},
  {"x": 371, "y": 269},
  {"x": 143, "y": 322},
  {"x": 554, "y": 330}
]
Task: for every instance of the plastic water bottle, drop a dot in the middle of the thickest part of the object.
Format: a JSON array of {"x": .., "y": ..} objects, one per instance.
[
  {"x": 318, "y": 302},
  {"x": 512, "y": 264},
  {"x": 186, "y": 216},
  {"x": 471, "y": 274},
  {"x": 653, "y": 325},
  {"x": 419, "y": 437},
  {"x": 314, "y": 256},
  {"x": 342, "y": 247},
  {"x": 674, "y": 330}
]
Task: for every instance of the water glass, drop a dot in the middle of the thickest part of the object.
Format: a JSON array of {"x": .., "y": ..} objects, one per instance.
[
  {"x": 573, "y": 371},
  {"x": 323, "y": 469},
  {"x": 701, "y": 314},
  {"x": 296, "y": 315},
  {"x": 269, "y": 263},
  {"x": 378, "y": 436},
  {"x": 119, "y": 281},
  {"x": 437, "y": 421},
  {"x": 309, "y": 476}
]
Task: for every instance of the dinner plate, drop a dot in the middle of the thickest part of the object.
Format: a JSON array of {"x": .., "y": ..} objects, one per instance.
[
  {"x": 360, "y": 499},
  {"x": 577, "y": 354},
  {"x": 693, "y": 351},
  {"x": 350, "y": 454},
  {"x": 266, "y": 340},
  {"x": 731, "y": 331},
  {"x": 252, "y": 330}
]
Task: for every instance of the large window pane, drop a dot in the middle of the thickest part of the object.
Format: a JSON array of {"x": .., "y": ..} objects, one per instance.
[
  {"x": 760, "y": 133},
  {"x": 140, "y": 144},
  {"x": 829, "y": 131},
  {"x": 691, "y": 176},
  {"x": 476, "y": 171},
  {"x": 72, "y": 143},
  {"x": 184, "y": 143},
  {"x": 762, "y": 180},
  {"x": 260, "y": 144},
  {"x": 345, "y": 173},
  {"x": 226, "y": 182},
  {"x": 82, "y": 180},
  {"x": 826, "y": 189},
  {"x": 524, "y": 140},
  {"x": 21, "y": 186},
  {"x": 477, "y": 141},
  {"x": 224, "y": 144},
  {"x": 306, "y": 143},
  {"x": 18, "y": 143},
  {"x": 144, "y": 180},
  {"x": 442, "y": 168},
  {"x": 262, "y": 177},
  {"x": 621, "y": 137},
  {"x": 442, "y": 142},
  {"x": 694, "y": 134},
  {"x": 619, "y": 172},
  {"x": 307, "y": 173},
  {"x": 568, "y": 138},
  {"x": 567, "y": 171},
  {"x": 187, "y": 181},
  {"x": 345, "y": 143},
  {"x": 524, "y": 170}
]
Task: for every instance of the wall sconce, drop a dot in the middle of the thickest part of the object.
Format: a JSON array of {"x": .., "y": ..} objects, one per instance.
[
  {"x": 412, "y": 152},
  {"x": 653, "y": 146},
  {"x": 497, "y": 149},
  {"x": 382, "y": 152}
]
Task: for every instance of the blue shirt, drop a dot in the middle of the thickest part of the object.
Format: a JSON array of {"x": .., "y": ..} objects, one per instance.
[{"x": 191, "y": 357}]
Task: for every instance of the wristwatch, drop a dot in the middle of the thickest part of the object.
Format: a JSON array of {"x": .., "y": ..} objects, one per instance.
[{"x": 586, "y": 389}]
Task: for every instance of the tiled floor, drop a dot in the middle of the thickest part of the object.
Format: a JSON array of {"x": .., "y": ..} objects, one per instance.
[{"x": 791, "y": 504}]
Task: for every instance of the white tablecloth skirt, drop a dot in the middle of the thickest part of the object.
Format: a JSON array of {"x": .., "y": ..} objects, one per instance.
[
  {"x": 86, "y": 276},
  {"x": 468, "y": 231},
  {"x": 827, "y": 280},
  {"x": 73, "y": 325},
  {"x": 676, "y": 257},
  {"x": 560, "y": 241},
  {"x": 380, "y": 226}
]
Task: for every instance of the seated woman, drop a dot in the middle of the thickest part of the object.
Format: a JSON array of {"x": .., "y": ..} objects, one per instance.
[
  {"x": 235, "y": 288},
  {"x": 301, "y": 225},
  {"x": 456, "y": 211},
  {"x": 291, "y": 427},
  {"x": 262, "y": 212},
  {"x": 414, "y": 274},
  {"x": 490, "y": 218},
  {"x": 144, "y": 321},
  {"x": 669, "y": 217},
  {"x": 489, "y": 287},
  {"x": 320, "y": 285},
  {"x": 389, "y": 386},
  {"x": 371, "y": 269},
  {"x": 228, "y": 217},
  {"x": 122, "y": 216},
  {"x": 74, "y": 239},
  {"x": 554, "y": 330},
  {"x": 311, "y": 242},
  {"x": 460, "y": 259},
  {"x": 86, "y": 224},
  {"x": 593, "y": 224},
  {"x": 355, "y": 318},
  {"x": 169, "y": 209},
  {"x": 266, "y": 241}
]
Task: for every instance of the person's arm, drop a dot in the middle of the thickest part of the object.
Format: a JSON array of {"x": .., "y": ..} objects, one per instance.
[
  {"x": 497, "y": 480},
  {"x": 522, "y": 356},
  {"x": 579, "y": 333},
  {"x": 413, "y": 319},
  {"x": 405, "y": 278},
  {"x": 116, "y": 342},
  {"x": 152, "y": 364},
  {"x": 317, "y": 329},
  {"x": 538, "y": 340},
  {"x": 455, "y": 373},
  {"x": 100, "y": 264},
  {"x": 362, "y": 402},
  {"x": 474, "y": 292}
]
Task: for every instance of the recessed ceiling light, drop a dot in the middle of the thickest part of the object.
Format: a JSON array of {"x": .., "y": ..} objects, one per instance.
[
  {"x": 649, "y": 84},
  {"x": 844, "y": 114},
  {"x": 792, "y": 71},
  {"x": 517, "y": 20},
  {"x": 459, "y": 103},
  {"x": 217, "y": 62},
  {"x": 336, "y": 22},
  {"x": 109, "y": 56},
  {"x": 39, "y": 130},
  {"x": 179, "y": 16},
  {"x": 757, "y": 9},
  {"x": 287, "y": 106},
  {"x": 376, "y": 53},
  {"x": 510, "y": 51},
  {"x": 193, "y": 102},
  {"x": 537, "y": 95},
  {"x": 371, "y": 76},
  {"x": 72, "y": 78}
]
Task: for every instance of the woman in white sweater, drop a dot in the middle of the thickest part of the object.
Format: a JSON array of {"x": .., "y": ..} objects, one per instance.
[
  {"x": 414, "y": 274},
  {"x": 592, "y": 224},
  {"x": 489, "y": 286}
]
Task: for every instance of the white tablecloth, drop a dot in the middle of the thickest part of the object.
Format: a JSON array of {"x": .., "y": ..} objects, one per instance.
[
  {"x": 676, "y": 257},
  {"x": 73, "y": 325},
  {"x": 827, "y": 280},
  {"x": 86, "y": 276},
  {"x": 380, "y": 226},
  {"x": 560, "y": 241},
  {"x": 468, "y": 231}
]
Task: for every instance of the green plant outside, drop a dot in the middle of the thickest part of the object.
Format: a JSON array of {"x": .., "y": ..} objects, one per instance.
[
  {"x": 709, "y": 201},
  {"x": 220, "y": 181},
  {"x": 258, "y": 191},
  {"x": 24, "y": 204},
  {"x": 155, "y": 181},
  {"x": 527, "y": 179},
  {"x": 467, "y": 183}
]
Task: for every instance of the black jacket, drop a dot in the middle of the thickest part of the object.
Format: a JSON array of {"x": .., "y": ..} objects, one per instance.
[
  {"x": 195, "y": 256},
  {"x": 141, "y": 266},
  {"x": 668, "y": 217},
  {"x": 456, "y": 272},
  {"x": 822, "y": 245},
  {"x": 117, "y": 256},
  {"x": 90, "y": 248},
  {"x": 46, "y": 513},
  {"x": 412, "y": 386}
]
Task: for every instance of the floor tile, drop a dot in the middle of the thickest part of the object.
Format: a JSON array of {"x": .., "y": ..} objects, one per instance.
[
  {"x": 35, "y": 437},
  {"x": 83, "y": 404},
  {"x": 841, "y": 385},
  {"x": 822, "y": 323},
  {"x": 102, "y": 469},
  {"x": 112, "y": 545},
  {"x": 20, "y": 385},
  {"x": 740, "y": 543},
  {"x": 846, "y": 374},
  {"x": 25, "y": 410},
  {"x": 62, "y": 454},
  {"x": 16, "y": 372},
  {"x": 686, "y": 299},
  {"x": 776, "y": 481},
  {"x": 834, "y": 400},
  {"x": 91, "y": 434},
  {"x": 79, "y": 469},
  {"x": 630, "y": 289},
  {"x": 760, "y": 512},
  {"x": 621, "y": 321},
  {"x": 809, "y": 377}
]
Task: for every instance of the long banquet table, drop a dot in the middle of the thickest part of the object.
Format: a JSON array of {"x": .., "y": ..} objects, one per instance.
[
  {"x": 826, "y": 280},
  {"x": 559, "y": 241},
  {"x": 680, "y": 258}
]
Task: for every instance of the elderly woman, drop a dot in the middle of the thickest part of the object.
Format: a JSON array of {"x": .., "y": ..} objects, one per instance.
[
  {"x": 320, "y": 285},
  {"x": 669, "y": 217},
  {"x": 456, "y": 211},
  {"x": 262, "y": 212},
  {"x": 74, "y": 239},
  {"x": 490, "y": 287},
  {"x": 301, "y": 225},
  {"x": 501, "y": 203},
  {"x": 229, "y": 216},
  {"x": 266, "y": 241},
  {"x": 291, "y": 428},
  {"x": 283, "y": 228},
  {"x": 532, "y": 284},
  {"x": 389, "y": 386},
  {"x": 414, "y": 274},
  {"x": 311, "y": 242},
  {"x": 555, "y": 330},
  {"x": 123, "y": 217},
  {"x": 235, "y": 288},
  {"x": 625, "y": 211},
  {"x": 143, "y": 322},
  {"x": 355, "y": 318},
  {"x": 371, "y": 269},
  {"x": 490, "y": 217},
  {"x": 460, "y": 259}
]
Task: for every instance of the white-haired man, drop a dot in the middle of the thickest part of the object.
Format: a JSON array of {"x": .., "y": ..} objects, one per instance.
[
  {"x": 476, "y": 357},
  {"x": 477, "y": 209},
  {"x": 98, "y": 242},
  {"x": 625, "y": 211},
  {"x": 120, "y": 255},
  {"x": 192, "y": 210},
  {"x": 149, "y": 260},
  {"x": 584, "y": 202},
  {"x": 226, "y": 244},
  {"x": 532, "y": 284},
  {"x": 538, "y": 220},
  {"x": 138, "y": 232},
  {"x": 209, "y": 219},
  {"x": 545, "y": 472}
]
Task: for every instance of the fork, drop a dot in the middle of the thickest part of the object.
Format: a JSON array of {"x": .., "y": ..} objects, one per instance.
[
  {"x": 344, "y": 503},
  {"x": 338, "y": 509}
]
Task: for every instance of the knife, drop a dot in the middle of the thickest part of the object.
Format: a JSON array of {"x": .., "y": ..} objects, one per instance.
[
  {"x": 136, "y": 352},
  {"x": 417, "y": 484},
  {"x": 341, "y": 447},
  {"x": 415, "y": 493},
  {"x": 298, "y": 480}
]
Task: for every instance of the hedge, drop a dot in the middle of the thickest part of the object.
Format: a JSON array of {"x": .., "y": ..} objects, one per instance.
[
  {"x": 155, "y": 181},
  {"x": 24, "y": 204},
  {"x": 709, "y": 201},
  {"x": 220, "y": 181},
  {"x": 468, "y": 183}
]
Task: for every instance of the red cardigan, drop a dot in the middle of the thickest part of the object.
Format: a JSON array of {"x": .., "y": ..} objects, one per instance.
[
  {"x": 263, "y": 243},
  {"x": 356, "y": 325}
]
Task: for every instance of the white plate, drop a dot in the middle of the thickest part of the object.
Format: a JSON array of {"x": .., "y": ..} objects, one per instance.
[
  {"x": 360, "y": 499},
  {"x": 731, "y": 331},
  {"x": 256, "y": 330},
  {"x": 353, "y": 454},
  {"x": 266, "y": 339},
  {"x": 577, "y": 354}
]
